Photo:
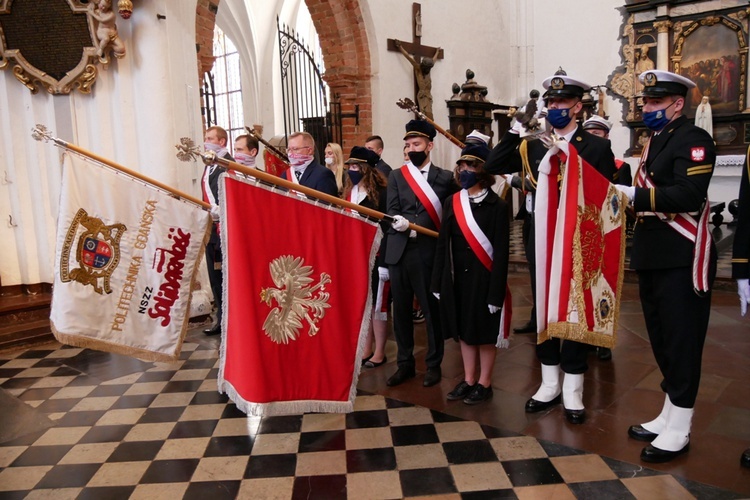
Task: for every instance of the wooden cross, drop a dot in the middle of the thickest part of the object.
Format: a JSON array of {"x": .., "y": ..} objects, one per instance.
[{"x": 417, "y": 50}]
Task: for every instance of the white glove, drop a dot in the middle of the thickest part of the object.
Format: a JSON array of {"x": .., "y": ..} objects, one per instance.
[
  {"x": 628, "y": 191},
  {"x": 215, "y": 213},
  {"x": 399, "y": 223},
  {"x": 517, "y": 128},
  {"x": 743, "y": 290},
  {"x": 383, "y": 274},
  {"x": 436, "y": 294},
  {"x": 493, "y": 309}
]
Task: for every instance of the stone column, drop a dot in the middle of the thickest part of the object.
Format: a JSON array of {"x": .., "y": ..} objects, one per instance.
[{"x": 662, "y": 47}]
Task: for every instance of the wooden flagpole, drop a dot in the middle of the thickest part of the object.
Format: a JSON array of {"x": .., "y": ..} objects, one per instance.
[
  {"x": 409, "y": 105},
  {"x": 41, "y": 133},
  {"x": 267, "y": 144},
  {"x": 189, "y": 151}
]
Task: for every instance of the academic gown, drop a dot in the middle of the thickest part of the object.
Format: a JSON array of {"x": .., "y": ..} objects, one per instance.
[{"x": 465, "y": 285}]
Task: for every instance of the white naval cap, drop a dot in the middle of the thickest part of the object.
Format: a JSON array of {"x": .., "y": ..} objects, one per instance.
[
  {"x": 597, "y": 122},
  {"x": 564, "y": 86},
  {"x": 660, "y": 83},
  {"x": 477, "y": 136}
]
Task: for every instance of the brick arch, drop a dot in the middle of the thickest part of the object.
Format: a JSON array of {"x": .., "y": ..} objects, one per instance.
[
  {"x": 205, "y": 21},
  {"x": 346, "y": 52}
]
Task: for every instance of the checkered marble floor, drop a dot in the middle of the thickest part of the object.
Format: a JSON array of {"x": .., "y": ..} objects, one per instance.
[{"x": 83, "y": 424}]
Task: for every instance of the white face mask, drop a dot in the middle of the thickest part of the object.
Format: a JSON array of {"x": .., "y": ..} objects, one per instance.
[{"x": 329, "y": 160}]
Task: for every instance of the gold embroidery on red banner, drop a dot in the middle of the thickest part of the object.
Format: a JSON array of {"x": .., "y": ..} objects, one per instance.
[{"x": 297, "y": 298}]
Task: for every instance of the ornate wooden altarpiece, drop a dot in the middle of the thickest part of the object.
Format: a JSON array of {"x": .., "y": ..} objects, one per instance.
[
  {"x": 57, "y": 44},
  {"x": 694, "y": 39}
]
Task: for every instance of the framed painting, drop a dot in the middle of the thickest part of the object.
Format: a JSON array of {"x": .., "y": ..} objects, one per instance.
[{"x": 712, "y": 52}]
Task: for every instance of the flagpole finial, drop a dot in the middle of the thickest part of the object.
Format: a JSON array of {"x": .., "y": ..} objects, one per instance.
[
  {"x": 188, "y": 150},
  {"x": 41, "y": 133}
]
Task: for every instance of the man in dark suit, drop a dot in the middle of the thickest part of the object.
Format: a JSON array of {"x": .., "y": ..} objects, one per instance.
[
  {"x": 563, "y": 98},
  {"x": 215, "y": 140},
  {"x": 375, "y": 143},
  {"x": 307, "y": 171},
  {"x": 675, "y": 272},
  {"x": 416, "y": 193},
  {"x": 741, "y": 256}
]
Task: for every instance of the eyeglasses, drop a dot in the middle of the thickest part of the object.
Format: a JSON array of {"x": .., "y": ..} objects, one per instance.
[{"x": 297, "y": 150}]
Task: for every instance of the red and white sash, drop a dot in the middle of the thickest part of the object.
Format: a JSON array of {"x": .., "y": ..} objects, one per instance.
[
  {"x": 482, "y": 248},
  {"x": 424, "y": 192},
  {"x": 694, "y": 231},
  {"x": 291, "y": 176}
]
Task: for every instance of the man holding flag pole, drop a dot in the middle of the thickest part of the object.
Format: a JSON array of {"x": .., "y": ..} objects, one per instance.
[
  {"x": 416, "y": 193},
  {"x": 215, "y": 140},
  {"x": 562, "y": 339}
]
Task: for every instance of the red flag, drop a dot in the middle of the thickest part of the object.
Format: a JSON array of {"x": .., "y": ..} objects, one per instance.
[
  {"x": 274, "y": 164},
  {"x": 580, "y": 243},
  {"x": 296, "y": 307}
]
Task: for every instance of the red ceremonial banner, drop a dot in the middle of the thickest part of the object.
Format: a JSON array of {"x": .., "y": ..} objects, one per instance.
[
  {"x": 296, "y": 305},
  {"x": 274, "y": 165},
  {"x": 581, "y": 242}
]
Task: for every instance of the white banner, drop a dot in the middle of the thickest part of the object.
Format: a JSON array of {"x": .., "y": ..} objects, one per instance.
[{"x": 125, "y": 259}]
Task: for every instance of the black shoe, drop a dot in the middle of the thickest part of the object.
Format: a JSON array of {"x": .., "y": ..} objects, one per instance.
[
  {"x": 432, "y": 376},
  {"x": 654, "y": 455},
  {"x": 365, "y": 360},
  {"x": 462, "y": 390},
  {"x": 529, "y": 327},
  {"x": 604, "y": 353},
  {"x": 575, "y": 416},
  {"x": 214, "y": 330},
  {"x": 745, "y": 459},
  {"x": 639, "y": 433},
  {"x": 401, "y": 376},
  {"x": 478, "y": 394},
  {"x": 534, "y": 406},
  {"x": 374, "y": 364}
]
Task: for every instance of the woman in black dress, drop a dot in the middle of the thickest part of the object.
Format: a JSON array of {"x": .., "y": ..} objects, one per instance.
[
  {"x": 365, "y": 185},
  {"x": 471, "y": 270}
]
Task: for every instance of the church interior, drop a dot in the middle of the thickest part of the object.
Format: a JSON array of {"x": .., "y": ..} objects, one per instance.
[{"x": 128, "y": 79}]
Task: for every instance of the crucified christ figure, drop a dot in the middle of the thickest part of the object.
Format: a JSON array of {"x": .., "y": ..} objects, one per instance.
[{"x": 423, "y": 78}]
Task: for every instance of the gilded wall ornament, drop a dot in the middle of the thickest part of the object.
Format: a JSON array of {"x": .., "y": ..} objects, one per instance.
[{"x": 56, "y": 44}]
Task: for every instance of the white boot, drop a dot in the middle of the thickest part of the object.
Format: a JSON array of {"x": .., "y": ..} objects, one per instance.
[
  {"x": 657, "y": 425},
  {"x": 550, "y": 387},
  {"x": 572, "y": 391},
  {"x": 676, "y": 433}
]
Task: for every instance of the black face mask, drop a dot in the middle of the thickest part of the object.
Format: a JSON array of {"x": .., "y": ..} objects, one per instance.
[{"x": 417, "y": 158}]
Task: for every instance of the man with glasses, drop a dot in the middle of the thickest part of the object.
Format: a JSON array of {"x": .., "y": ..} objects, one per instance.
[{"x": 305, "y": 169}]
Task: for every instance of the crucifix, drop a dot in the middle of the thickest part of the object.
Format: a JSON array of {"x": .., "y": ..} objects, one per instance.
[{"x": 422, "y": 59}]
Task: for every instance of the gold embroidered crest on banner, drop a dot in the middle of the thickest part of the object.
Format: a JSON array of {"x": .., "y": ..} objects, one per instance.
[
  {"x": 297, "y": 298},
  {"x": 97, "y": 251}
]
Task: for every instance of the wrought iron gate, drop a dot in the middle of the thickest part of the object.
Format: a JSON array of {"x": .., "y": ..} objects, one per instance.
[
  {"x": 307, "y": 104},
  {"x": 208, "y": 100}
]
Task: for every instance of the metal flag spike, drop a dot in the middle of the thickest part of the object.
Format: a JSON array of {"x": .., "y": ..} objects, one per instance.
[
  {"x": 42, "y": 133},
  {"x": 187, "y": 150}
]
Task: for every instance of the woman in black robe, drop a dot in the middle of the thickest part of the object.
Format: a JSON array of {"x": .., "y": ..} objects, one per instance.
[{"x": 471, "y": 295}]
